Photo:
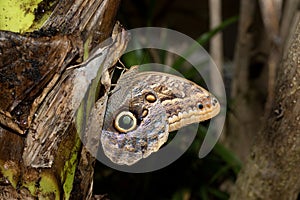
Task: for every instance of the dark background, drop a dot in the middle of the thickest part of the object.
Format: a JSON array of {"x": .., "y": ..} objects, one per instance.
[{"x": 189, "y": 177}]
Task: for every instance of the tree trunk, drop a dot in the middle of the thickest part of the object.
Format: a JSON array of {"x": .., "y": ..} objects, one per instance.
[
  {"x": 272, "y": 170},
  {"x": 49, "y": 161}
]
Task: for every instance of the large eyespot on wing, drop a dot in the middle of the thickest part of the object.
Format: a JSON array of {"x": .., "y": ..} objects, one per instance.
[{"x": 125, "y": 121}]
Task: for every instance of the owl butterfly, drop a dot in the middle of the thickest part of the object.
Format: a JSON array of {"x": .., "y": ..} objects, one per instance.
[{"x": 144, "y": 107}]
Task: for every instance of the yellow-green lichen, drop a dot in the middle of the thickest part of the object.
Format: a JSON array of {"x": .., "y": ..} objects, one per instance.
[
  {"x": 16, "y": 15},
  {"x": 23, "y": 16}
]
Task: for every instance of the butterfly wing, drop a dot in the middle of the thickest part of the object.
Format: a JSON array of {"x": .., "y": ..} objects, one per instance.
[{"x": 149, "y": 122}]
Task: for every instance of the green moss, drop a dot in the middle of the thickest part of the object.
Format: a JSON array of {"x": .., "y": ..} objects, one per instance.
[
  {"x": 31, "y": 186},
  {"x": 48, "y": 187},
  {"x": 10, "y": 172},
  {"x": 45, "y": 187},
  {"x": 69, "y": 170}
]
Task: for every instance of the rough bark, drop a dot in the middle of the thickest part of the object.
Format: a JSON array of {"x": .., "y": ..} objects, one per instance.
[
  {"x": 272, "y": 170},
  {"x": 70, "y": 169}
]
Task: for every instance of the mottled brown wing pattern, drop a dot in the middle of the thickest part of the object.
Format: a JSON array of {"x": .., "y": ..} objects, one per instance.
[{"x": 144, "y": 107}]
